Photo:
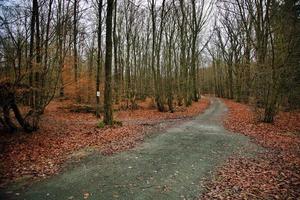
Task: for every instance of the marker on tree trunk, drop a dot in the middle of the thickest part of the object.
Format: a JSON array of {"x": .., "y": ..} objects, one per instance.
[{"x": 98, "y": 93}]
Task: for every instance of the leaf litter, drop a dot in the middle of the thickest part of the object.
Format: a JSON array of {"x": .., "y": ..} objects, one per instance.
[
  {"x": 62, "y": 133},
  {"x": 274, "y": 174}
]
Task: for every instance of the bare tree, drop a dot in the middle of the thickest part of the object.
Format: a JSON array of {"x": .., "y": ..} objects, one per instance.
[
  {"x": 108, "y": 114},
  {"x": 99, "y": 32}
]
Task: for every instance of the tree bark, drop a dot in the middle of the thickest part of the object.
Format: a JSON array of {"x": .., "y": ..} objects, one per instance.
[
  {"x": 108, "y": 115},
  {"x": 31, "y": 51},
  {"x": 98, "y": 59},
  {"x": 116, "y": 68},
  {"x": 75, "y": 59}
]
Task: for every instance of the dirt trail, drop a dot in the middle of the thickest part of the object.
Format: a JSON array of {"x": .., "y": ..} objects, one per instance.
[{"x": 169, "y": 165}]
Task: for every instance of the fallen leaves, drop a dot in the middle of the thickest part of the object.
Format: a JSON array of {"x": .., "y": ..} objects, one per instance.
[
  {"x": 283, "y": 134},
  {"x": 42, "y": 153},
  {"x": 146, "y": 112},
  {"x": 274, "y": 174},
  {"x": 64, "y": 133}
]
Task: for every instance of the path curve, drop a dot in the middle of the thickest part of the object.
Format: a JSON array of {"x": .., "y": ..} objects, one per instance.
[{"x": 169, "y": 165}]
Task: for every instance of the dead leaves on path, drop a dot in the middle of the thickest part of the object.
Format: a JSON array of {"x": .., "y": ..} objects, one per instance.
[
  {"x": 274, "y": 174},
  {"x": 63, "y": 133}
]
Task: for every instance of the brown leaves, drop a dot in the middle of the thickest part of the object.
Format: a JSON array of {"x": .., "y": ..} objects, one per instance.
[
  {"x": 282, "y": 134},
  {"x": 62, "y": 133},
  {"x": 259, "y": 178},
  {"x": 274, "y": 174},
  {"x": 147, "y": 112},
  {"x": 42, "y": 153}
]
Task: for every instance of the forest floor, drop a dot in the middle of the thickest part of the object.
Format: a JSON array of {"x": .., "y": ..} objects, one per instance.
[
  {"x": 168, "y": 165},
  {"x": 186, "y": 157},
  {"x": 273, "y": 174},
  {"x": 63, "y": 135}
]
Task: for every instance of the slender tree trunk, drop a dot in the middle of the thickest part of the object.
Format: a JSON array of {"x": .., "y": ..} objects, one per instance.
[
  {"x": 247, "y": 70},
  {"x": 193, "y": 71},
  {"x": 153, "y": 19},
  {"x": 31, "y": 50},
  {"x": 38, "y": 59},
  {"x": 75, "y": 32},
  {"x": 43, "y": 92},
  {"x": 90, "y": 68},
  {"x": 108, "y": 115},
  {"x": 169, "y": 72},
  {"x": 60, "y": 32},
  {"x": 159, "y": 92},
  {"x": 116, "y": 70},
  {"x": 98, "y": 71},
  {"x": 195, "y": 30},
  {"x": 230, "y": 80}
]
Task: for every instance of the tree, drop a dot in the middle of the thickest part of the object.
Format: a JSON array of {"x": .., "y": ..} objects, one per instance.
[
  {"x": 116, "y": 64},
  {"x": 156, "y": 48},
  {"x": 31, "y": 82},
  {"x": 99, "y": 63},
  {"x": 75, "y": 60},
  {"x": 200, "y": 15},
  {"x": 256, "y": 40},
  {"x": 162, "y": 50},
  {"x": 108, "y": 114}
]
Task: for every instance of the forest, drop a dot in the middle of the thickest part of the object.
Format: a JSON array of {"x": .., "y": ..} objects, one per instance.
[
  {"x": 171, "y": 51},
  {"x": 102, "y": 61}
]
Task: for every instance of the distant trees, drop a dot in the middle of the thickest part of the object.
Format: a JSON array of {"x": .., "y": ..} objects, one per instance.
[
  {"x": 153, "y": 49},
  {"x": 253, "y": 43},
  {"x": 146, "y": 53}
]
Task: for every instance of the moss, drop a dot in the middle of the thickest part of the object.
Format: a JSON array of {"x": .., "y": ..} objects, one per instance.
[{"x": 100, "y": 124}]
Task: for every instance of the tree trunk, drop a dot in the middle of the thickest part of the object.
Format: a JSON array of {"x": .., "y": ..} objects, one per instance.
[
  {"x": 98, "y": 59},
  {"x": 37, "y": 90},
  {"x": 60, "y": 47},
  {"x": 31, "y": 51},
  {"x": 108, "y": 115},
  {"x": 25, "y": 125},
  {"x": 116, "y": 69},
  {"x": 11, "y": 126},
  {"x": 75, "y": 60}
]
